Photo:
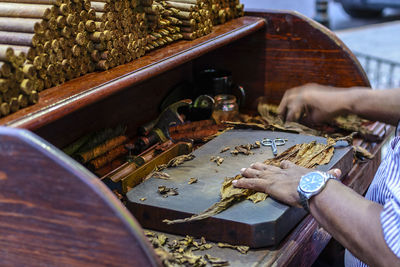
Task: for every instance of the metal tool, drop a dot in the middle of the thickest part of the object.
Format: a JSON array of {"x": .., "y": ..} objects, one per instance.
[{"x": 273, "y": 143}]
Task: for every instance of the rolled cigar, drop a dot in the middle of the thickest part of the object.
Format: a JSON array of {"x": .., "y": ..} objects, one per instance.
[
  {"x": 102, "y": 65},
  {"x": 86, "y": 5},
  {"x": 90, "y": 26},
  {"x": 4, "y": 84},
  {"x": 100, "y": 26},
  {"x": 29, "y": 70},
  {"x": 61, "y": 21},
  {"x": 108, "y": 157},
  {"x": 97, "y": 37},
  {"x": 5, "y": 69},
  {"x": 189, "y": 36},
  {"x": 14, "y": 106},
  {"x": 182, "y": 6},
  {"x": 24, "y": 39},
  {"x": 6, "y": 53},
  {"x": 89, "y": 46},
  {"x": 5, "y": 109},
  {"x": 92, "y": 14},
  {"x": 26, "y": 10},
  {"x": 26, "y": 86},
  {"x": 22, "y": 101},
  {"x": 34, "y": 97},
  {"x": 45, "y": 2},
  {"x": 193, "y": 2},
  {"x": 22, "y": 25},
  {"x": 71, "y": 19},
  {"x": 100, "y": 6}
]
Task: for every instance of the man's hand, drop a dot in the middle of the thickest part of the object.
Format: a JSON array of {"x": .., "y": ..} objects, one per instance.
[
  {"x": 279, "y": 182},
  {"x": 312, "y": 104}
]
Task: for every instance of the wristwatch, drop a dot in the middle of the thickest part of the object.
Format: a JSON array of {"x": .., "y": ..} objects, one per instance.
[{"x": 311, "y": 184}]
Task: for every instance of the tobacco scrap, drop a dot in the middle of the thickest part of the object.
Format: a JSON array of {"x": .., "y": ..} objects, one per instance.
[
  {"x": 161, "y": 175},
  {"x": 217, "y": 159},
  {"x": 192, "y": 180},
  {"x": 225, "y": 149},
  {"x": 180, "y": 252},
  {"x": 306, "y": 155},
  {"x": 246, "y": 149},
  {"x": 216, "y": 262},
  {"x": 119, "y": 196},
  {"x": 241, "y": 249},
  {"x": 361, "y": 153},
  {"x": 143, "y": 199},
  {"x": 167, "y": 191},
  {"x": 179, "y": 160}
]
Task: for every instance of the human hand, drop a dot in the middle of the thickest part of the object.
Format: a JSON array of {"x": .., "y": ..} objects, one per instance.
[
  {"x": 279, "y": 182},
  {"x": 311, "y": 104}
]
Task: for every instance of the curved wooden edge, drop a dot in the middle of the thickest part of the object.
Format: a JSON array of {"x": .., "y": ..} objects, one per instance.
[
  {"x": 317, "y": 26},
  {"x": 27, "y": 150},
  {"x": 94, "y": 87},
  {"x": 298, "y": 50}
]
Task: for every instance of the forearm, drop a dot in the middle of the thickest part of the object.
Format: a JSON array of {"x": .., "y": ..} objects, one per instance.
[
  {"x": 354, "y": 222},
  {"x": 377, "y": 105}
]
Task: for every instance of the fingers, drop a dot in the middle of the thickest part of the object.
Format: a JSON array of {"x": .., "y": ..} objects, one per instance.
[
  {"x": 259, "y": 166},
  {"x": 336, "y": 172},
  {"x": 250, "y": 172},
  {"x": 251, "y": 183},
  {"x": 286, "y": 164}
]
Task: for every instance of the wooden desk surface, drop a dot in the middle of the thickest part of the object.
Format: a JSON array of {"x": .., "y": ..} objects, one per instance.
[{"x": 307, "y": 240}]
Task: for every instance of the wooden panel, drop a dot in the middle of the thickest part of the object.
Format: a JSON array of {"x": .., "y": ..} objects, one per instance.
[
  {"x": 292, "y": 50},
  {"x": 75, "y": 94},
  {"x": 55, "y": 213}
]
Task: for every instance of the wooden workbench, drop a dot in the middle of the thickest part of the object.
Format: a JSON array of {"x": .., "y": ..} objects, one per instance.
[{"x": 53, "y": 212}]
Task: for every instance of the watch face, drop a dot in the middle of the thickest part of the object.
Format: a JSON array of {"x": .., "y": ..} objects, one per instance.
[{"x": 312, "y": 182}]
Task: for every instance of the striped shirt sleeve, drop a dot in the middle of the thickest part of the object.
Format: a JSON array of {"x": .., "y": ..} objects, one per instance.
[{"x": 390, "y": 219}]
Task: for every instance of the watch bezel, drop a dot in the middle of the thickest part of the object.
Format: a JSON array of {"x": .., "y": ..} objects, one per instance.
[{"x": 315, "y": 190}]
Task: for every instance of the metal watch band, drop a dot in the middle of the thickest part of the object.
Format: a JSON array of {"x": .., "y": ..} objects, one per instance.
[{"x": 304, "y": 202}]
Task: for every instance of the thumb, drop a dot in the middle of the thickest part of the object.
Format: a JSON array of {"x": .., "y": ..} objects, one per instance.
[{"x": 336, "y": 172}]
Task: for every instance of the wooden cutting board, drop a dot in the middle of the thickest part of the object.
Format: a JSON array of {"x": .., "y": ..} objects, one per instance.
[{"x": 255, "y": 225}]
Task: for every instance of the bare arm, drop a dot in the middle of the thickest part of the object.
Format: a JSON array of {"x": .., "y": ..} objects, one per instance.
[
  {"x": 348, "y": 217},
  {"x": 317, "y": 103}
]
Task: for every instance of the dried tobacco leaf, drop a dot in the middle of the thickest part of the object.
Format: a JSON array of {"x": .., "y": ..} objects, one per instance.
[
  {"x": 305, "y": 155},
  {"x": 241, "y": 249},
  {"x": 179, "y": 160},
  {"x": 192, "y": 180},
  {"x": 143, "y": 199},
  {"x": 166, "y": 191},
  {"x": 225, "y": 149},
  {"x": 361, "y": 153},
  {"x": 216, "y": 262},
  {"x": 161, "y": 175},
  {"x": 217, "y": 159}
]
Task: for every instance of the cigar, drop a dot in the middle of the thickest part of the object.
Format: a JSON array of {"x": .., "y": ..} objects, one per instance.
[
  {"x": 45, "y": 2},
  {"x": 24, "y": 39},
  {"x": 5, "y": 69},
  {"x": 26, "y": 10},
  {"x": 22, "y": 25}
]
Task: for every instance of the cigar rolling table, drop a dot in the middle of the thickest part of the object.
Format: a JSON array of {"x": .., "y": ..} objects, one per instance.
[{"x": 56, "y": 213}]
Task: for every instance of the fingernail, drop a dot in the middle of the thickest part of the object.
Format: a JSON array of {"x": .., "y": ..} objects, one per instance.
[
  {"x": 234, "y": 182},
  {"x": 337, "y": 172},
  {"x": 242, "y": 170},
  {"x": 251, "y": 165}
]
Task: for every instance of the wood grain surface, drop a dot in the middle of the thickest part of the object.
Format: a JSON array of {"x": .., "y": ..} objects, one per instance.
[{"x": 55, "y": 213}]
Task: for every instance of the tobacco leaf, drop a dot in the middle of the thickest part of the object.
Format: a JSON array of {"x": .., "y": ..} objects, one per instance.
[
  {"x": 216, "y": 262},
  {"x": 166, "y": 191},
  {"x": 361, "y": 153},
  {"x": 192, "y": 180},
  {"x": 180, "y": 252},
  {"x": 162, "y": 175},
  {"x": 241, "y": 249},
  {"x": 179, "y": 160},
  {"x": 307, "y": 155}
]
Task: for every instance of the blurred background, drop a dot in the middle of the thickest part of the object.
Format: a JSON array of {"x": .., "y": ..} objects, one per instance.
[{"x": 370, "y": 28}]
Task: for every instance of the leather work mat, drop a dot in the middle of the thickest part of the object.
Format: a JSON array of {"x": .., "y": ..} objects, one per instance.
[{"x": 256, "y": 225}]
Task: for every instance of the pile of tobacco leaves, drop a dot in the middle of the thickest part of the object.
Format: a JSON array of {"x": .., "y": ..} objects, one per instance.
[{"x": 180, "y": 252}]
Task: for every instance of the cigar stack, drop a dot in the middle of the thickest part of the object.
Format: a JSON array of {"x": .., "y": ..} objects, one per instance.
[
  {"x": 225, "y": 10},
  {"x": 160, "y": 28},
  {"x": 40, "y": 47},
  {"x": 124, "y": 29}
]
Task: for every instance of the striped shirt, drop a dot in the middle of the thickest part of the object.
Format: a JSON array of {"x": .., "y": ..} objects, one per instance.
[{"x": 385, "y": 190}]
